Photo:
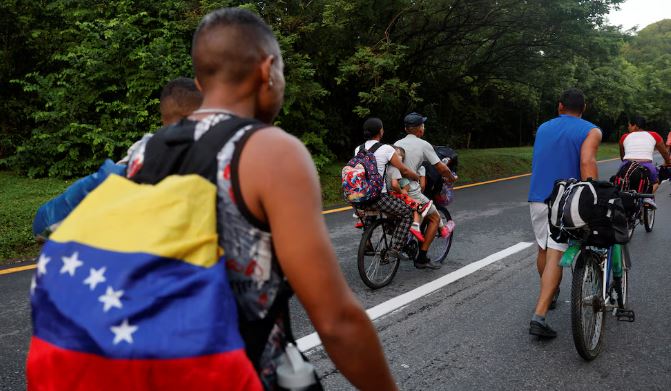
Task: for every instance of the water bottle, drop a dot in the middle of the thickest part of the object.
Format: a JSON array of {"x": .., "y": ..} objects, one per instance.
[
  {"x": 569, "y": 255},
  {"x": 294, "y": 373}
]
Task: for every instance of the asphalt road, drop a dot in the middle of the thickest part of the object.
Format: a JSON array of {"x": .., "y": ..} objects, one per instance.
[{"x": 473, "y": 333}]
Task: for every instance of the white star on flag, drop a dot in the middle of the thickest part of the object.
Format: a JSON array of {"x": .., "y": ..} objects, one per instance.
[
  {"x": 42, "y": 264},
  {"x": 95, "y": 277},
  {"x": 111, "y": 299},
  {"x": 123, "y": 332},
  {"x": 33, "y": 285},
  {"x": 70, "y": 264}
]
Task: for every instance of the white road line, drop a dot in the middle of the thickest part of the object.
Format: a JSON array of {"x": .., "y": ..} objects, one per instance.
[{"x": 312, "y": 340}]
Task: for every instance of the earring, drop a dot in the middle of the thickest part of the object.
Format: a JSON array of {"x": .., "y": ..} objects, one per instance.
[{"x": 270, "y": 82}]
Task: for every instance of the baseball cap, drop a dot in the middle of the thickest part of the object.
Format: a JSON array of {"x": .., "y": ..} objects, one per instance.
[{"x": 414, "y": 119}]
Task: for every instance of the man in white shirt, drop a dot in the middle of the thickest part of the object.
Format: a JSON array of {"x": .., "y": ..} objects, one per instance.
[{"x": 373, "y": 131}]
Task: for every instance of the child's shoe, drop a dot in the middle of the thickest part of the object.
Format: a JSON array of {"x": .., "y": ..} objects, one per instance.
[
  {"x": 446, "y": 230},
  {"x": 417, "y": 234}
]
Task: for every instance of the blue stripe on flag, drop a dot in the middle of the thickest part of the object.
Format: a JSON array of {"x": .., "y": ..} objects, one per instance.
[{"x": 132, "y": 305}]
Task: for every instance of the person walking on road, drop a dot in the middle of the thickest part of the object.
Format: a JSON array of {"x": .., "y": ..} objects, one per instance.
[
  {"x": 270, "y": 223},
  {"x": 565, "y": 147}
]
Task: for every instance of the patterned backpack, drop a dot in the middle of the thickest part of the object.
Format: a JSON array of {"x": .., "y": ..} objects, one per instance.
[{"x": 361, "y": 182}]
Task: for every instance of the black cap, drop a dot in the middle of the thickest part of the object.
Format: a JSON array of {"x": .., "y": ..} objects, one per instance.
[{"x": 414, "y": 119}]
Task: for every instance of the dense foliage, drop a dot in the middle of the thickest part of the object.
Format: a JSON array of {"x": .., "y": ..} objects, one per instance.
[{"x": 80, "y": 80}]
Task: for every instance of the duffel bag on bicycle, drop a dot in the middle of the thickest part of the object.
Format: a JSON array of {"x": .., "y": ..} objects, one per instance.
[{"x": 587, "y": 210}]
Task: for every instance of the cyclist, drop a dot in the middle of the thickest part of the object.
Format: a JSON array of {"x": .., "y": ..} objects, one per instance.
[
  {"x": 385, "y": 154},
  {"x": 416, "y": 152},
  {"x": 639, "y": 145}
]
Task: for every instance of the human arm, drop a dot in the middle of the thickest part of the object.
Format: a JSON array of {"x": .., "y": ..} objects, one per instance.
[
  {"x": 286, "y": 195},
  {"x": 590, "y": 146},
  {"x": 445, "y": 172},
  {"x": 422, "y": 177},
  {"x": 405, "y": 171},
  {"x": 663, "y": 150}
]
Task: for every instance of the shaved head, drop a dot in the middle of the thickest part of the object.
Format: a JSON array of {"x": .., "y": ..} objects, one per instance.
[
  {"x": 179, "y": 99},
  {"x": 228, "y": 43}
]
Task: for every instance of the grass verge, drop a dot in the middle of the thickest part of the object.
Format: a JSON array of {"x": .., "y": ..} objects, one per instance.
[{"x": 20, "y": 197}]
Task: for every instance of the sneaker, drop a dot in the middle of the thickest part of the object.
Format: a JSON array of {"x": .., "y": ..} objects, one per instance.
[
  {"x": 650, "y": 201},
  {"x": 358, "y": 224},
  {"x": 417, "y": 234},
  {"x": 424, "y": 208},
  {"x": 541, "y": 330},
  {"x": 428, "y": 264},
  {"x": 446, "y": 230},
  {"x": 553, "y": 303}
]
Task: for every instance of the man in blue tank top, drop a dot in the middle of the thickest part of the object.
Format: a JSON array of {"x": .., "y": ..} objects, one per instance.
[{"x": 565, "y": 147}]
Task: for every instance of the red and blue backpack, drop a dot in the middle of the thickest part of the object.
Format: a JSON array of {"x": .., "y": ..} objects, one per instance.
[{"x": 361, "y": 182}]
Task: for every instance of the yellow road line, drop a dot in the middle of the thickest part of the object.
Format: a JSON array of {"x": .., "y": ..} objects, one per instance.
[
  {"x": 346, "y": 208},
  {"x": 492, "y": 181},
  {"x": 17, "y": 269},
  {"x": 343, "y": 209}
]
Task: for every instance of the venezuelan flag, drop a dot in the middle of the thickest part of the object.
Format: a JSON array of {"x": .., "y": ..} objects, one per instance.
[{"x": 131, "y": 293}]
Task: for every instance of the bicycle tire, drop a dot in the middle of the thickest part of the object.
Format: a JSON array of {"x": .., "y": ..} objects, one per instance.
[
  {"x": 587, "y": 319},
  {"x": 380, "y": 240},
  {"x": 626, "y": 262},
  {"x": 648, "y": 218},
  {"x": 440, "y": 246}
]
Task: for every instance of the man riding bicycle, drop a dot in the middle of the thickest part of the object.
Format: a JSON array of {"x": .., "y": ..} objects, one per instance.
[
  {"x": 416, "y": 152},
  {"x": 373, "y": 131},
  {"x": 639, "y": 145}
]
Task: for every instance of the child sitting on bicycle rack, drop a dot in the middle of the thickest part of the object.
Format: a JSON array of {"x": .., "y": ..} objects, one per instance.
[{"x": 399, "y": 188}]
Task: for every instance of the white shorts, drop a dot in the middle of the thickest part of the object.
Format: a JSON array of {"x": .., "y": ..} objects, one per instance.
[{"x": 541, "y": 226}]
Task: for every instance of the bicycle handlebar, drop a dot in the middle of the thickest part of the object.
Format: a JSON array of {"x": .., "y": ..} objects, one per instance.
[{"x": 635, "y": 194}]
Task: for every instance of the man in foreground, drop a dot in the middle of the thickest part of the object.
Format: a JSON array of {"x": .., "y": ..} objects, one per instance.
[
  {"x": 565, "y": 147},
  {"x": 269, "y": 215}
]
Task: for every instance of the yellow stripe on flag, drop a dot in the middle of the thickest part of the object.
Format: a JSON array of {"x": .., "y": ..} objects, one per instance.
[{"x": 175, "y": 218}]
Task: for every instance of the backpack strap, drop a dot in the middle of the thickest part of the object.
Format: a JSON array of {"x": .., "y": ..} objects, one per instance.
[
  {"x": 201, "y": 157},
  {"x": 174, "y": 150},
  {"x": 375, "y": 147}
]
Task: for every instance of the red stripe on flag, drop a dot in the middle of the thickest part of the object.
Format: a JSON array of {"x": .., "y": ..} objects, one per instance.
[{"x": 52, "y": 368}]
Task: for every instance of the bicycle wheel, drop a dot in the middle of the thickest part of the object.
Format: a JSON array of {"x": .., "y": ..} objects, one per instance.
[
  {"x": 587, "y": 306},
  {"x": 648, "y": 218},
  {"x": 375, "y": 269},
  {"x": 440, "y": 246}
]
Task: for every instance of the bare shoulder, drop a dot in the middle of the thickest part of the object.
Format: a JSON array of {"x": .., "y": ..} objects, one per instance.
[{"x": 278, "y": 149}]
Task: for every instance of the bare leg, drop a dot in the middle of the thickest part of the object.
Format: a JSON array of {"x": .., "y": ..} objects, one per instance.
[
  {"x": 431, "y": 229},
  {"x": 550, "y": 279},
  {"x": 540, "y": 261}
]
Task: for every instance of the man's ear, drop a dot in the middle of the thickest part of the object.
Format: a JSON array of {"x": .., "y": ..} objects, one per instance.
[
  {"x": 195, "y": 79},
  {"x": 266, "y": 67}
]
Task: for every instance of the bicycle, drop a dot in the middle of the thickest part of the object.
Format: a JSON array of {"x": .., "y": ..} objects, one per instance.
[
  {"x": 645, "y": 214},
  {"x": 376, "y": 269},
  {"x": 599, "y": 284}
]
